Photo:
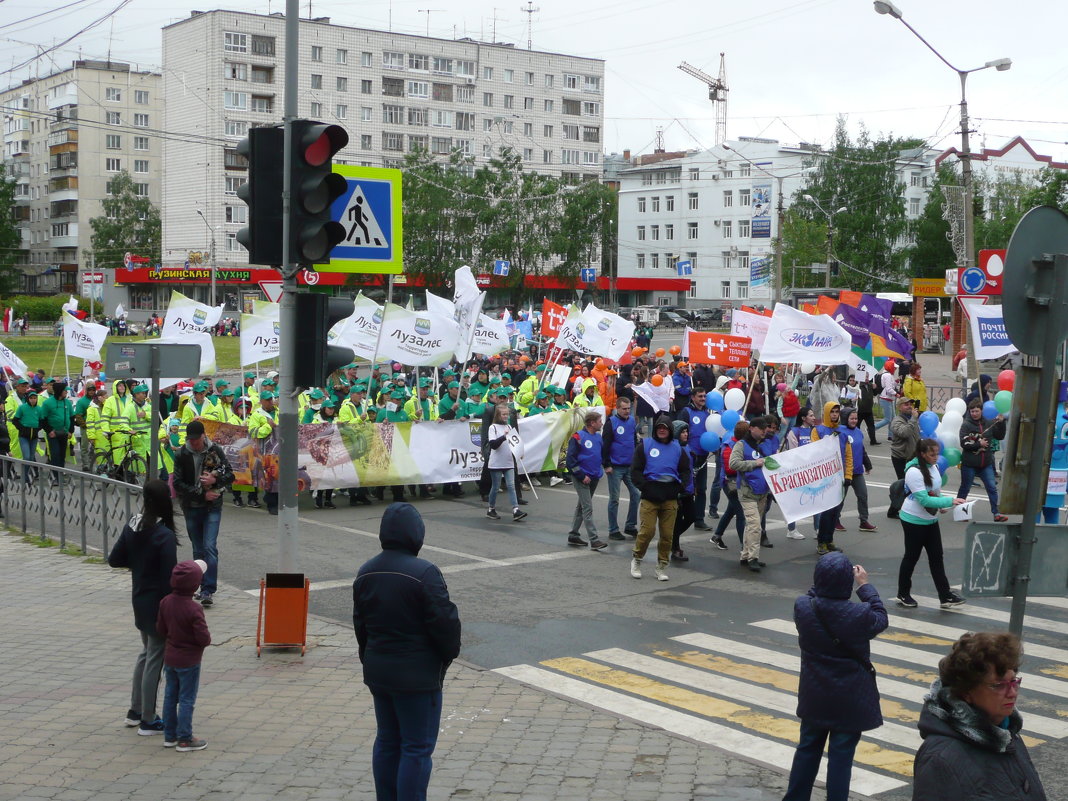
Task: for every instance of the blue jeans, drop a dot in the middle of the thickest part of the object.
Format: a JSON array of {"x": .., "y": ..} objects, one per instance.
[
  {"x": 495, "y": 484},
  {"x": 202, "y": 523},
  {"x": 621, "y": 475},
  {"x": 179, "y": 698},
  {"x": 807, "y": 763},
  {"x": 407, "y": 733},
  {"x": 888, "y": 414},
  {"x": 986, "y": 475},
  {"x": 29, "y": 454}
]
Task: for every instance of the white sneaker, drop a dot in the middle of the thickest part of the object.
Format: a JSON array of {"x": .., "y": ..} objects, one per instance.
[
  {"x": 636, "y": 568},
  {"x": 661, "y": 573},
  {"x": 555, "y": 480},
  {"x": 794, "y": 535}
]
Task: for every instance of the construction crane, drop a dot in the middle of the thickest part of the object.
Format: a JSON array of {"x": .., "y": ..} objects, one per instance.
[{"x": 717, "y": 93}]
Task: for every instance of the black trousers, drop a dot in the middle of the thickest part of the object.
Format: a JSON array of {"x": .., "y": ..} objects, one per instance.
[
  {"x": 684, "y": 518},
  {"x": 733, "y": 510},
  {"x": 899, "y": 465},
  {"x": 867, "y": 419},
  {"x": 920, "y": 538}
]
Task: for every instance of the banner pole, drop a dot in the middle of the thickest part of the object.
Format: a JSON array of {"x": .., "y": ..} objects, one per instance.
[
  {"x": 749, "y": 394},
  {"x": 378, "y": 339}
]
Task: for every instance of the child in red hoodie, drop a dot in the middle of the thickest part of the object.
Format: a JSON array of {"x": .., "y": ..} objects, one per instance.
[{"x": 181, "y": 622}]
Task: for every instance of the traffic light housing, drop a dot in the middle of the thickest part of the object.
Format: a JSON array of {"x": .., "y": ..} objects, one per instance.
[
  {"x": 262, "y": 236},
  {"x": 314, "y": 187},
  {"x": 315, "y": 358}
]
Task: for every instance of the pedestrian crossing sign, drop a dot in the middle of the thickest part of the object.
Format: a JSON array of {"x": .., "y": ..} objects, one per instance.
[{"x": 370, "y": 211}]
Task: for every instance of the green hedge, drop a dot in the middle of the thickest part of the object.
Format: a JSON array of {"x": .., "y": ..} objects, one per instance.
[{"x": 40, "y": 309}]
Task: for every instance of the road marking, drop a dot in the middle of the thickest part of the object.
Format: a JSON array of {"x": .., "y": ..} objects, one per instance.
[
  {"x": 768, "y": 752},
  {"x": 953, "y": 634},
  {"x": 435, "y": 548},
  {"x": 1044, "y": 624}
]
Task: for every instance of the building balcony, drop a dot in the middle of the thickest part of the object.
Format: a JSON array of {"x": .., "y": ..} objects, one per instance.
[
  {"x": 65, "y": 194},
  {"x": 63, "y": 137},
  {"x": 64, "y": 241},
  {"x": 61, "y": 185}
]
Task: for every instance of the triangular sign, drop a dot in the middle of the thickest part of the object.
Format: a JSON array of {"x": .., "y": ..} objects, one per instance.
[
  {"x": 363, "y": 229},
  {"x": 272, "y": 289}
]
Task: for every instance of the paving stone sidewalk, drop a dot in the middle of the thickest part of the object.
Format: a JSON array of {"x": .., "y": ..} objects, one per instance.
[{"x": 291, "y": 728}]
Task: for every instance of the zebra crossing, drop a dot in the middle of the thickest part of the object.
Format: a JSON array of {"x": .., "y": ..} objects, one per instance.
[{"x": 740, "y": 693}]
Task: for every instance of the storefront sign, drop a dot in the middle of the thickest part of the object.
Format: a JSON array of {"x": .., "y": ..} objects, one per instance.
[{"x": 223, "y": 275}]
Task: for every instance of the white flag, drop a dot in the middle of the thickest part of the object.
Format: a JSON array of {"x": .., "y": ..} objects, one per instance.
[
  {"x": 417, "y": 338},
  {"x": 120, "y": 312},
  {"x": 659, "y": 397},
  {"x": 572, "y": 331},
  {"x": 259, "y": 338},
  {"x": 491, "y": 336},
  {"x": 264, "y": 308},
  {"x": 185, "y": 315},
  {"x": 207, "y": 349},
  {"x": 71, "y": 305},
  {"x": 467, "y": 300},
  {"x": 595, "y": 331},
  {"x": 83, "y": 340},
  {"x": 748, "y": 324},
  {"x": 798, "y": 338},
  {"x": 359, "y": 331},
  {"x": 10, "y": 362},
  {"x": 988, "y": 332}
]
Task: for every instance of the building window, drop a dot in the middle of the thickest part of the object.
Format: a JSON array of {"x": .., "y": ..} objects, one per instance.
[
  {"x": 141, "y": 165},
  {"x": 113, "y": 142},
  {"x": 113, "y": 94},
  {"x": 487, "y": 99},
  {"x": 571, "y": 131},
  {"x": 641, "y": 205},
  {"x": 416, "y": 143},
  {"x": 590, "y": 109},
  {"x": 548, "y": 106},
  {"x": 691, "y": 199},
  {"x": 441, "y": 65},
  {"x": 140, "y": 120},
  {"x": 235, "y": 42},
  {"x": 508, "y": 126},
  {"x": 394, "y": 115},
  {"x": 440, "y": 145},
  {"x": 743, "y": 290},
  {"x": 743, "y": 229},
  {"x": 418, "y": 89},
  {"x": 654, "y": 261},
  {"x": 443, "y": 119},
  {"x": 728, "y": 259},
  {"x": 743, "y": 259},
  {"x": 728, "y": 199},
  {"x": 591, "y": 133},
  {"x": 365, "y": 142},
  {"x": 418, "y": 116},
  {"x": 317, "y": 53},
  {"x": 263, "y": 74},
  {"x": 366, "y": 59},
  {"x": 487, "y": 124},
  {"x": 465, "y": 94},
  {"x": 262, "y": 104},
  {"x": 549, "y": 81},
  {"x": 655, "y": 203},
  {"x": 509, "y": 76},
  {"x": 392, "y": 141},
  {"x": 744, "y": 198},
  {"x": 695, "y": 173},
  {"x": 546, "y": 157},
  {"x": 528, "y": 154},
  {"x": 316, "y": 81},
  {"x": 693, "y": 290},
  {"x": 112, "y": 165},
  {"x": 487, "y": 73},
  {"x": 654, "y": 232},
  {"x": 743, "y": 172},
  {"x": 233, "y": 160},
  {"x": 571, "y": 81},
  {"x": 528, "y": 130},
  {"x": 914, "y": 206},
  {"x": 692, "y": 256},
  {"x": 140, "y": 143},
  {"x": 691, "y": 230},
  {"x": 237, "y": 215},
  {"x": 726, "y": 229},
  {"x": 235, "y": 128},
  {"x": 113, "y": 118},
  {"x": 572, "y": 107},
  {"x": 342, "y": 57},
  {"x": 509, "y": 101},
  {"x": 342, "y": 84},
  {"x": 465, "y": 68},
  {"x": 547, "y": 131},
  {"x": 233, "y": 183},
  {"x": 366, "y": 87},
  {"x": 641, "y": 261},
  {"x": 141, "y": 190},
  {"x": 342, "y": 111},
  {"x": 647, "y": 179},
  {"x": 263, "y": 45},
  {"x": 569, "y": 156},
  {"x": 232, "y": 245},
  {"x": 528, "y": 103},
  {"x": 236, "y": 101},
  {"x": 669, "y": 203},
  {"x": 443, "y": 92},
  {"x": 591, "y": 83},
  {"x": 669, "y": 231},
  {"x": 236, "y": 72},
  {"x": 316, "y": 109},
  {"x": 465, "y": 121},
  {"x": 725, "y": 289},
  {"x": 393, "y": 87},
  {"x": 641, "y": 233}
]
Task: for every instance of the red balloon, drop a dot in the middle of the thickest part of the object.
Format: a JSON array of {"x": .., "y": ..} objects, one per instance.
[{"x": 1006, "y": 380}]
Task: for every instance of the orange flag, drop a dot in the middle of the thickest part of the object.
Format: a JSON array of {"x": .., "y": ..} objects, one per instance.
[
  {"x": 849, "y": 298},
  {"x": 809, "y": 308},
  {"x": 826, "y": 305}
]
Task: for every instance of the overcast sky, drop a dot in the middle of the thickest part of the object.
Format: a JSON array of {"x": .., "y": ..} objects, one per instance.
[{"x": 792, "y": 66}]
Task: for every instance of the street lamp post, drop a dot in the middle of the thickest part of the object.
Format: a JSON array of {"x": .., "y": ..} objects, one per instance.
[
  {"x": 830, "y": 235},
  {"x": 212, "y": 232}
]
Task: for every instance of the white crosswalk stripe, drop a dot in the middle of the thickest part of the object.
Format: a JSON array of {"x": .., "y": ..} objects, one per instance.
[
  {"x": 970, "y": 610},
  {"x": 952, "y": 633}
]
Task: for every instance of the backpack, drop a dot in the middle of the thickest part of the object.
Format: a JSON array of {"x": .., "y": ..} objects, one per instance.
[{"x": 898, "y": 492}]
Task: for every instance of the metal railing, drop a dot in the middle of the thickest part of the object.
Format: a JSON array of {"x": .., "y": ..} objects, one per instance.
[{"x": 66, "y": 503}]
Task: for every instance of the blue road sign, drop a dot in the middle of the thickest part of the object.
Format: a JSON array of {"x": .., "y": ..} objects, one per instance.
[
  {"x": 684, "y": 267},
  {"x": 370, "y": 211},
  {"x": 972, "y": 280},
  {"x": 501, "y": 267},
  {"x": 588, "y": 275}
]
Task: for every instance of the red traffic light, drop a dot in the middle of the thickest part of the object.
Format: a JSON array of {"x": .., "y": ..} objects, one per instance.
[{"x": 319, "y": 142}]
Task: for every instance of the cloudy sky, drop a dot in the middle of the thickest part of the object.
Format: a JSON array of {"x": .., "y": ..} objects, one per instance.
[{"x": 793, "y": 66}]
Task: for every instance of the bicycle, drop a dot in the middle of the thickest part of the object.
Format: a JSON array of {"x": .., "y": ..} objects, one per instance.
[{"x": 132, "y": 466}]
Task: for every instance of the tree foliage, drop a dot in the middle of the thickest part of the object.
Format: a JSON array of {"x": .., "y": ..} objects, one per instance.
[
  {"x": 932, "y": 253},
  {"x": 456, "y": 215},
  {"x": 130, "y": 224},
  {"x": 9, "y": 234}
]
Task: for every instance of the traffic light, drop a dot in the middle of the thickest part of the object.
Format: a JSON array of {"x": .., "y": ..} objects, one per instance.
[
  {"x": 262, "y": 237},
  {"x": 314, "y": 187},
  {"x": 315, "y": 358},
  {"x": 834, "y": 268}
]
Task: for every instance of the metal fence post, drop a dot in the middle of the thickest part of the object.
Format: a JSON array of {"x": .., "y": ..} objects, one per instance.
[
  {"x": 62, "y": 510},
  {"x": 22, "y": 489},
  {"x": 81, "y": 501},
  {"x": 39, "y": 484}
]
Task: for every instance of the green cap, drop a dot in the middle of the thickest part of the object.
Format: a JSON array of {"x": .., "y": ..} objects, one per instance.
[
  {"x": 359, "y": 386},
  {"x": 267, "y": 395},
  {"x": 507, "y": 391},
  {"x": 541, "y": 395},
  {"x": 22, "y": 381},
  {"x": 495, "y": 379},
  {"x": 222, "y": 382},
  {"x": 269, "y": 383},
  {"x": 328, "y": 404},
  {"x": 539, "y": 368},
  {"x": 559, "y": 391},
  {"x": 425, "y": 382},
  {"x": 201, "y": 386},
  {"x": 397, "y": 394},
  {"x": 226, "y": 393},
  {"x": 250, "y": 374},
  {"x": 141, "y": 388},
  {"x": 316, "y": 394},
  {"x": 454, "y": 385},
  {"x": 506, "y": 375}
]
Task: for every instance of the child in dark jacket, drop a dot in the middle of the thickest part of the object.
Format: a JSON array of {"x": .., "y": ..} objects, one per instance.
[{"x": 181, "y": 622}]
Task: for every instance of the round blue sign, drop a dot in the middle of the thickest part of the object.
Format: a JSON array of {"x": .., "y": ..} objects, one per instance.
[{"x": 972, "y": 280}]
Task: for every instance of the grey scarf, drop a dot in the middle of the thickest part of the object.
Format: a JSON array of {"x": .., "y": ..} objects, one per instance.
[{"x": 970, "y": 723}]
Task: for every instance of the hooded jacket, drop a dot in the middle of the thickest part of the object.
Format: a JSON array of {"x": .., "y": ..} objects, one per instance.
[
  {"x": 151, "y": 556},
  {"x": 965, "y": 757},
  {"x": 407, "y": 628},
  {"x": 582, "y": 400},
  {"x": 970, "y": 433},
  {"x": 660, "y": 491},
  {"x": 181, "y": 619},
  {"x": 836, "y": 691},
  {"x": 829, "y": 429},
  {"x": 189, "y": 464}
]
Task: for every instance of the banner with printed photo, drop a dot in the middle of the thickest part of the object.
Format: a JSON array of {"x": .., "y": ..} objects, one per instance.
[
  {"x": 185, "y": 315},
  {"x": 759, "y": 274},
  {"x": 807, "y": 480},
  {"x": 760, "y": 202},
  {"x": 259, "y": 339},
  {"x": 83, "y": 340}
]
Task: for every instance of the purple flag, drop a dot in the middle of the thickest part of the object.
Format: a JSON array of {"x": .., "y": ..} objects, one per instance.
[
  {"x": 877, "y": 307},
  {"x": 856, "y": 322}
]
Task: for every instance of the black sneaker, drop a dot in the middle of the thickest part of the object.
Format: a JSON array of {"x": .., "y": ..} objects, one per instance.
[
  {"x": 679, "y": 555},
  {"x": 192, "y": 744},
  {"x": 253, "y": 504},
  {"x": 329, "y": 504},
  {"x": 766, "y": 543},
  {"x": 952, "y": 600},
  {"x": 615, "y": 535},
  {"x": 491, "y": 513},
  {"x": 523, "y": 501},
  {"x": 207, "y": 599},
  {"x": 238, "y": 502},
  {"x": 755, "y": 565},
  {"x": 146, "y": 729},
  {"x": 518, "y": 514},
  {"x": 714, "y": 515},
  {"x": 598, "y": 545},
  {"x": 631, "y": 532},
  {"x": 132, "y": 719},
  {"x": 701, "y": 525},
  {"x": 718, "y": 542},
  {"x": 906, "y": 600},
  {"x": 575, "y": 539}
]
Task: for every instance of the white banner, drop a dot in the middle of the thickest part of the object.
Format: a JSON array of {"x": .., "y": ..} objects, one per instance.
[
  {"x": 10, "y": 361},
  {"x": 595, "y": 331},
  {"x": 71, "y": 305},
  {"x": 807, "y": 480},
  {"x": 83, "y": 340},
  {"x": 800, "y": 338},
  {"x": 264, "y": 308},
  {"x": 418, "y": 339},
  {"x": 491, "y": 336},
  {"x": 659, "y": 397},
  {"x": 988, "y": 333},
  {"x": 468, "y": 301},
  {"x": 360, "y": 331},
  {"x": 185, "y": 315},
  {"x": 754, "y": 326},
  {"x": 120, "y": 312},
  {"x": 259, "y": 339}
]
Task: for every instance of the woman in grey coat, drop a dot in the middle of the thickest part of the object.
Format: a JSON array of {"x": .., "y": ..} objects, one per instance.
[{"x": 972, "y": 749}]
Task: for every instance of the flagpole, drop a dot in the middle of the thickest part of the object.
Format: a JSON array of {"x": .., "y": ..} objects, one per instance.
[{"x": 381, "y": 325}]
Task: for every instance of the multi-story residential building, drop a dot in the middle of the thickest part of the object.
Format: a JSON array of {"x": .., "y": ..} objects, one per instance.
[
  {"x": 66, "y": 135},
  {"x": 394, "y": 93}
]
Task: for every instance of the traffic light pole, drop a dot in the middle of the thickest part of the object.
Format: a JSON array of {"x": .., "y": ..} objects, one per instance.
[{"x": 288, "y": 535}]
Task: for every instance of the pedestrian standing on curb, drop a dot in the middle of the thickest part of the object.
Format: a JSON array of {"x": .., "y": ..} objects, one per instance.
[
  {"x": 505, "y": 449},
  {"x": 919, "y": 522},
  {"x": 837, "y": 697},
  {"x": 620, "y": 437},
  {"x": 201, "y": 474},
  {"x": 148, "y": 546},
  {"x": 408, "y": 633},
  {"x": 747, "y": 462},
  {"x": 972, "y": 747},
  {"x": 181, "y": 622},
  {"x": 661, "y": 470},
  {"x": 905, "y": 429},
  {"x": 584, "y": 451}
]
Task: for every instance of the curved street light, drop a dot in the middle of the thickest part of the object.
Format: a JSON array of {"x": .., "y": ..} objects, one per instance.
[{"x": 830, "y": 215}]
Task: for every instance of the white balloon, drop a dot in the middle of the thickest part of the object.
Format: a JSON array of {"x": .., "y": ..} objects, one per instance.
[
  {"x": 715, "y": 424},
  {"x": 734, "y": 399},
  {"x": 952, "y": 420},
  {"x": 807, "y": 368},
  {"x": 956, "y": 406}
]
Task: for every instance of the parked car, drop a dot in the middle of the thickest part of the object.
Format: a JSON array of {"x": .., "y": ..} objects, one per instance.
[{"x": 671, "y": 319}]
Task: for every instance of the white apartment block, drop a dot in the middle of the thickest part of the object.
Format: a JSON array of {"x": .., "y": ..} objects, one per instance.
[
  {"x": 394, "y": 93},
  {"x": 66, "y": 135}
]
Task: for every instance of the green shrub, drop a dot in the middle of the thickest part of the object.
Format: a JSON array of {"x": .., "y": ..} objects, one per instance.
[{"x": 40, "y": 309}]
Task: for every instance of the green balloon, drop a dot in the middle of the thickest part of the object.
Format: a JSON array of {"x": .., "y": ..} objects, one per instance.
[
  {"x": 952, "y": 456},
  {"x": 1003, "y": 401},
  {"x": 945, "y": 478}
]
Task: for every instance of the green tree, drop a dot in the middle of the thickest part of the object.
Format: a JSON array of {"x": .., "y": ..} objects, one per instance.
[
  {"x": 932, "y": 253},
  {"x": 804, "y": 244},
  {"x": 130, "y": 224},
  {"x": 9, "y": 235},
  {"x": 999, "y": 206}
]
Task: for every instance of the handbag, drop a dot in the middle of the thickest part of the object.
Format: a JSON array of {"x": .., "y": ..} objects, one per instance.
[{"x": 864, "y": 662}]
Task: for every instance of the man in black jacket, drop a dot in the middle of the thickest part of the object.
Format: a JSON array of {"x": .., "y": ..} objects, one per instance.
[
  {"x": 201, "y": 474},
  {"x": 408, "y": 632},
  {"x": 976, "y": 457}
]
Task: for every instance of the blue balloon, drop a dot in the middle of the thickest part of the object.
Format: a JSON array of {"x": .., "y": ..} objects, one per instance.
[
  {"x": 928, "y": 423},
  {"x": 715, "y": 401},
  {"x": 941, "y": 446},
  {"x": 942, "y": 464},
  {"x": 710, "y": 441},
  {"x": 990, "y": 410},
  {"x": 730, "y": 420}
]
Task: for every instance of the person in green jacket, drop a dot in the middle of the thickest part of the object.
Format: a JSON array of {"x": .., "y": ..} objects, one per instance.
[
  {"x": 541, "y": 404},
  {"x": 85, "y": 447},
  {"x": 14, "y": 401},
  {"x": 139, "y": 413},
  {"x": 57, "y": 418},
  {"x": 28, "y": 423}
]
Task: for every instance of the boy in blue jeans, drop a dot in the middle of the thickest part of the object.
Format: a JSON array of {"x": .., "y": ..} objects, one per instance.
[{"x": 181, "y": 622}]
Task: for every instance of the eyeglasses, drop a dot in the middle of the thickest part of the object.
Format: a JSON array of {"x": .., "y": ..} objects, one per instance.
[{"x": 1002, "y": 687}]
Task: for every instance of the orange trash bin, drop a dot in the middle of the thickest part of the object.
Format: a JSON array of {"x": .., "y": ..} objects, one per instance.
[{"x": 283, "y": 615}]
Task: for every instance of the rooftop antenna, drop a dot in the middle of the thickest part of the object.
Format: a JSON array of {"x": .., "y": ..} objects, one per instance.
[
  {"x": 717, "y": 93},
  {"x": 659, "y": 148},
  {"x": 530, "y": 11},
  {"x": 495, "y": 25},
  {"x": 428, "y": 12}
]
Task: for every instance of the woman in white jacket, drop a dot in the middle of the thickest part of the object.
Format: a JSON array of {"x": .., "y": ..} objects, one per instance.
[{"x": 504, "y": 444}]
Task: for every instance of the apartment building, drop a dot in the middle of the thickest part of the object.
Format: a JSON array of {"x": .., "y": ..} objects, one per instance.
[
  {"x": 394, "y": 93},
  {"x": 66, "y": 135}
]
